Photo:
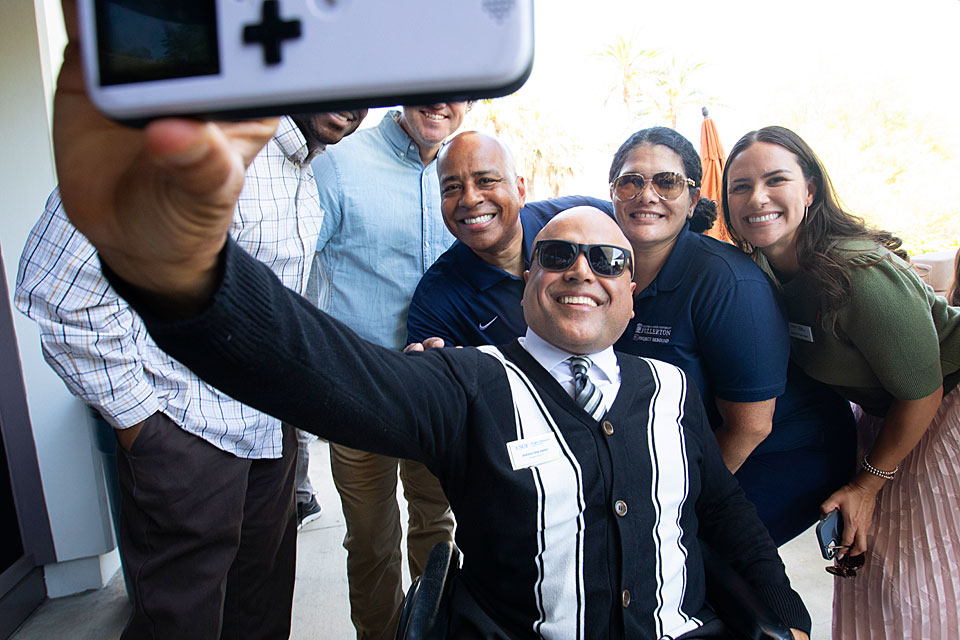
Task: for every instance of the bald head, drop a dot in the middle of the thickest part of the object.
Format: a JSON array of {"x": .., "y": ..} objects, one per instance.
[
  {"x": 481, "y": 197},
  {"x": 471, "y": 142},
  {"x": 586, "y": 219},
  {"x": 576, "y": 309}
]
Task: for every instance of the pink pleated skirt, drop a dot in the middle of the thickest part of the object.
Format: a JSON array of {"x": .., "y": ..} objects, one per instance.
[{"x": 909, "y": 588}]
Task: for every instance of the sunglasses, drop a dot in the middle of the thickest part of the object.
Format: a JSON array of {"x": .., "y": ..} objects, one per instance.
[
  {"x": 846, "y": 567},
  {"x": 666, "y": 184},
  {"x": 605, "y": 260}
]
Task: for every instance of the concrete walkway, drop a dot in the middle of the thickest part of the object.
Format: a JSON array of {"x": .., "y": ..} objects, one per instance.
[{"x": 320, "y": 607}]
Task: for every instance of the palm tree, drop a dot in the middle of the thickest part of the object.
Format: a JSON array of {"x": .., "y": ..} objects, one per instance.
[
  {"x": 669, "y": 89},
  {"x": 542, "y": 148},
  {"x": 630, "y": 66}
]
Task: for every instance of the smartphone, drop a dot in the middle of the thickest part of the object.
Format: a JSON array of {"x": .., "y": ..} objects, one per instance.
[
  {"x": 829, "y": 534},
  {"x": 244, "y": 58}
]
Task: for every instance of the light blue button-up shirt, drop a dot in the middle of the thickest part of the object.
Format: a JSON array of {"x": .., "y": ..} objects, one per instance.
[{"x": 381, "y": 231}]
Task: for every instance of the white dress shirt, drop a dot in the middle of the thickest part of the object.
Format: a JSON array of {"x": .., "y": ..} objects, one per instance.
[{"x": 604, "y": 373}]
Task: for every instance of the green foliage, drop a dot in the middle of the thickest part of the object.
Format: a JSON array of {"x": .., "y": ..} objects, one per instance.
[
  {"x": 669, "y": 89},
  {"x": 887, "y": 163},
  {"x": 543, "y": 149},
  {"x": 649, "y": 84},
  {"x": 631, "y": 65}
]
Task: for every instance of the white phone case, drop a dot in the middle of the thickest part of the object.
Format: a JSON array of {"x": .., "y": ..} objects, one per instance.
[{"x": 151, "y": 58}]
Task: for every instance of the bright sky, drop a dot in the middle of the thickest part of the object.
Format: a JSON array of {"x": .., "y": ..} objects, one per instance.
[
  {"x": 830, "y": 68},
  {"x": 764, "y": 62},
  {"x": 757, "y": 53}
]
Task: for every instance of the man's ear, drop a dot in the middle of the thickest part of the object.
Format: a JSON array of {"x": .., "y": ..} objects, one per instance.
[
  {"x": 526, "y": 276},
  {"x": 522, "y": 190}
]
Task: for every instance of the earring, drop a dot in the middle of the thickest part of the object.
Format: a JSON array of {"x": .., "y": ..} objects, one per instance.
[{"x": 805, "y": 207}]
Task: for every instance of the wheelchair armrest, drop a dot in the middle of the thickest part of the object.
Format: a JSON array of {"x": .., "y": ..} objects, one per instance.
[
  {"x": 736, "y": 604},
  {"x": 425, "y": 610},
  {"x": 405, "y": 611}
]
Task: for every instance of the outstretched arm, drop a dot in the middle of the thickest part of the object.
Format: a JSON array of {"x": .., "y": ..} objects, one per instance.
[
  {"x": 157, "y": 204},
  {"x": 263, "y": 344}
]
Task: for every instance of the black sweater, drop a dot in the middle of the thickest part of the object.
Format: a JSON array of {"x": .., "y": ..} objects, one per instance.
[{"x": 600, "y": 542}]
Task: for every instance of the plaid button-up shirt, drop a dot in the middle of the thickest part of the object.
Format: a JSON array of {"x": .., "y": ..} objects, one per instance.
[{"x": 99, "y": 347}]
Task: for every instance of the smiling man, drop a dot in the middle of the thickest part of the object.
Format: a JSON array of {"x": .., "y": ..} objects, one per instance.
[
  {"x": 321, "y": 129},
  {"x": 382, "y": 231},
  {"x": 471, "y": 295}
]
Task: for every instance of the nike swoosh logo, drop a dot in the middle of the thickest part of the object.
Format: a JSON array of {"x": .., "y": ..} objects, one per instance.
[{"x": 483, "y": 327}]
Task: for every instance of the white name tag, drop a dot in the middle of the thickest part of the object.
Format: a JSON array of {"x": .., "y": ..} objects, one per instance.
[
  {"x": 801, "y": 332},
  {"x": 529, "y": 452}
]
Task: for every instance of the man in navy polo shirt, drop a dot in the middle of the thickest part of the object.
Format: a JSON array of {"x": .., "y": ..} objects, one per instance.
[{"x": 471, "y": 295}]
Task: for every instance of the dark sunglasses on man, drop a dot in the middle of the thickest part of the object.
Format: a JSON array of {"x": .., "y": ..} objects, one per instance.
[
  {"x": 666, "y": 184},
  {"x": 607, "y": 260}
]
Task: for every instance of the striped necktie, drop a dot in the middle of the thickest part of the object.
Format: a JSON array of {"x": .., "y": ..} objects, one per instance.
[{"x": 585, "y": 393}]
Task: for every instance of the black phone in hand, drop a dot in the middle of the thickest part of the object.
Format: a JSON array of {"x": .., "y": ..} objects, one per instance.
[{"x": 829, "y": 533}]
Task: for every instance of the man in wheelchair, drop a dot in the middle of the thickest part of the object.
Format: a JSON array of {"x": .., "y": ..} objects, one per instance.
[{"x": 580, "y": 478}]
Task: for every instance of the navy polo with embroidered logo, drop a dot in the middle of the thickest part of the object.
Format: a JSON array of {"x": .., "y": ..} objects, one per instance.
[
  {"x": 467, "y": 301},
  {"x": 712, "y": 312}
]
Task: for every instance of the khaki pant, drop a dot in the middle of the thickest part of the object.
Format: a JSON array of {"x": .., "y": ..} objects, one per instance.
[{"x": 367, "y": 484}]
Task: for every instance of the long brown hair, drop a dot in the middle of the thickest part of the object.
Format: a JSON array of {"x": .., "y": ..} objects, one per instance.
[
  {"x": 825, "y": 224},
  {"x": 954, "y": 296}
]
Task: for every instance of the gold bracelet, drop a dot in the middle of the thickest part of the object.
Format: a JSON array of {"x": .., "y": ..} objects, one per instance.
[{"x": 880, "y": 473}]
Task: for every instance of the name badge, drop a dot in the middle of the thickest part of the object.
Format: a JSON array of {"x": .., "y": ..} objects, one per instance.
[
  {"x": 530, "y": 452},
  {"x": 801, "y": 332}
]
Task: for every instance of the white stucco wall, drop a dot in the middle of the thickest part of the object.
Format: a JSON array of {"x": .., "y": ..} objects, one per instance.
[{"x": 31, "y": 39}]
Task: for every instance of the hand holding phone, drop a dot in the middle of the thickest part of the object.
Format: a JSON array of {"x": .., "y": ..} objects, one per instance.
[{"x": 829, "y": 534}]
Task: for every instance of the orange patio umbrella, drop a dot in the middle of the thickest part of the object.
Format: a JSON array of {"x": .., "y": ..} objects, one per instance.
[{"x": 712, "y": 157}]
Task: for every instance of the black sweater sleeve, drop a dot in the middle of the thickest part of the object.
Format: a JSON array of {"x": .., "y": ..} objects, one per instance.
[
  {"x": 268, "y": 347},
  {"x": 730, "y": 525}
]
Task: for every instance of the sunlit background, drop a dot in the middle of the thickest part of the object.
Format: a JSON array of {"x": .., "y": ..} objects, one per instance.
[{"x": 872, "y": 87}]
